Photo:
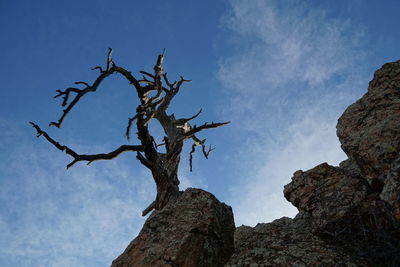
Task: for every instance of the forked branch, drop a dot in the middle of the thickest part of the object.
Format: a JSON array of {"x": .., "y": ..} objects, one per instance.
[
  {"x": 110, "y": 68},
  {"x": 198, "y": 142}
]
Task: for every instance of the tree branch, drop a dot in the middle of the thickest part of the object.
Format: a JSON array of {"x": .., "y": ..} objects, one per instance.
[
  {"x": 178, "y": 85},
  {"x": 111, "y": 68},
  {"x": 169, "y": 94},
  {"x": 171, "y": 86},
  {"x": 182, "y": 121},
  {"x": 128, "y": 128},
  {"x": 128, "y": 75},
  {"x": 79, "y": 94},
  {"x": 149, "y": 208},
  {"x": 109, "y": 58},
  {"x": 198, "y": 142},
  {"x": 99, "y": 68},
  {"x": 84, "y": 83},
  {"x": 196, "y": 129},
  {"x": 191, "y": 156},
  {"x": 144, "y": 161},
  {"x": 66, "y": 94},
  {"x": 89, "y": 158},
  {"x": 148, "y": 74},
  {"x": 206, "y": 153}
]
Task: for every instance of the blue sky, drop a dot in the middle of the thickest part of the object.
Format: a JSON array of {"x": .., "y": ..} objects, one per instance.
[{"x": 281, "y": 71}]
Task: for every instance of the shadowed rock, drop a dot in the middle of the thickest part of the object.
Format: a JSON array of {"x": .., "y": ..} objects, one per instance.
[
  {"x": 391, "y": 190},
  {"x": 284, "y": 242},
  {"x": 369, "y": 129},
  {"x": 325, "y": 192},
  {"x": 196, "y": 230}
]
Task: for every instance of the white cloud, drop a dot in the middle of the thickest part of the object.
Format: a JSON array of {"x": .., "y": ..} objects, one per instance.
[
  {"x": 53, "y": 217},
  {"x": 287, "y": 40},
  {"x": 293, "y": 72},
  {"x": 84, "y": 216},
  {"x": 190, "y": 179},
  {"x": 260, "y": 197}
]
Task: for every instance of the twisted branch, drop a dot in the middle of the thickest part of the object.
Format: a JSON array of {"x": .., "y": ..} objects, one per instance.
[
  {"x": 82, "y": 157},
  {"x": 154, "y": 101},
  {"x": 111, "y": 68}
]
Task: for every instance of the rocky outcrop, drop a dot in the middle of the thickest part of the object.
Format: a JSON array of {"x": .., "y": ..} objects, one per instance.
[
  {"x": 326, "y": 193},
  {"x": 369, "y": 129},
  {"x": 285, "y": 242},
  {"x": 348, "y": 215},
  {"x": 197, "y": 230}
]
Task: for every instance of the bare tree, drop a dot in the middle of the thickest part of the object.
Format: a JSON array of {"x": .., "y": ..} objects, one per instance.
[{"x": 155, "y": 93}]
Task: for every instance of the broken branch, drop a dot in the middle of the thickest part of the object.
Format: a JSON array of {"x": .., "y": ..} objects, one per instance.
[
  {"x": 149, "y": 208},
  {"x": 190, "y": 118},
  {"x": 128, "y": 128},
  {"x": 196, "y": 129}
]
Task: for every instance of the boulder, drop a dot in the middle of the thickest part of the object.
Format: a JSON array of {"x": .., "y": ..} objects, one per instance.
[
  {"x": 196, "y": 230},
  {"x": 325, "y": 192},
  {"x": 369, "y": 129}
]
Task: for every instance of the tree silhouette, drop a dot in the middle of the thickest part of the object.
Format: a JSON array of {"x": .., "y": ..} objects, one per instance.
[{"x": 155, "y": 93}]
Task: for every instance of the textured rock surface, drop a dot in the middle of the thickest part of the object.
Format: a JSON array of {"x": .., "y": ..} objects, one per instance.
[
  {"x": 325, "y": 192},
  {"x": 368, "y": 233},
  {"x": 350, "y": 168},
  {"x": 197, "y": 230},
  {"x": 391, "y": 190},
  {"x": 284, "y": 242},
  {"x": 369, "y": 129}
]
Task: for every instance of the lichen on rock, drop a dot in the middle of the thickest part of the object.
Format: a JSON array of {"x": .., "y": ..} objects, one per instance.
[
  {"x": 369, "y": 129},
  {"x": 325, "y": 192},
  {"x": 196, "y": 230}
]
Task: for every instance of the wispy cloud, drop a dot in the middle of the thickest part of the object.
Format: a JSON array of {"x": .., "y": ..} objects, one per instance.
[
  {"x": 84, "y": 216},
  {"x": 293, "y": 72},
  {"x": 53, "y": 217}
]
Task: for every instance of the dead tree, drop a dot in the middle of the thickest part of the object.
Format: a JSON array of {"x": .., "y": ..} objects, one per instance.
[{"x": 155, "y": 93}]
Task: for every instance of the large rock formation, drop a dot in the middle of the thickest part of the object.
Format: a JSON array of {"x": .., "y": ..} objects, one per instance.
[
  {"x": 326, "y": 193},
  {"x": 369, "y": 129},
  {"x": 349, "y": 215},
  {"x": 197, "y": 230}
]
